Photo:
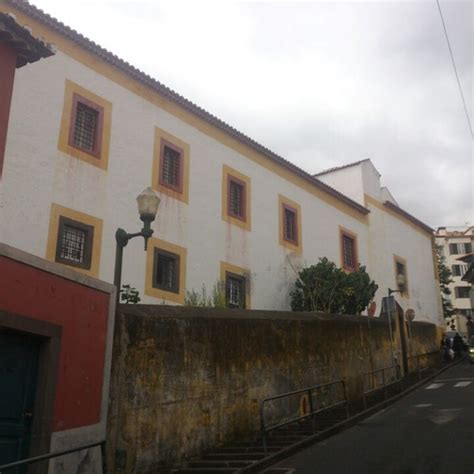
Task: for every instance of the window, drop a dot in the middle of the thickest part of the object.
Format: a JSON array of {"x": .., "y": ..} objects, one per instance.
[
  {"x": 290, "y": 232},
  {"x": 400, "y": 266},
  {"x": 235, "y": 290},
  {"x": 290, "y": 224},
  {"x": 85, "y": 126},
  {"x": 236, "y": 198},
  {"x": 74, "y": 243},
  {"x": 166, "y": 271},
  {"x": 459, "y": 270},
  {"x": 171, "y": 166},
  {"x": 348, "y": 250},
  {"x": 170, "y": 174},
  {"x": 165, "y": 276},
  {"x": 465, "y": 312},
  {"x": 462, "y": 291},
  {"x": 460, "y": 249}
]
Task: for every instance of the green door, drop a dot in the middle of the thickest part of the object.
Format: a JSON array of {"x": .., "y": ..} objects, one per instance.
[{"x": 18, "y": 370}]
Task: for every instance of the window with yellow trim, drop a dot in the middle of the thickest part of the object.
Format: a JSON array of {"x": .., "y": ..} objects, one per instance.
[
  {"x": 74, "y": 239},
  {"x": 170, "y": 174},
  {"x": 349, "y": 254},
  {"x": 85, "y": 125},
  {"x": 166, "y": 271},
  {"x": 235, "y": 197},
  {"x": 289, "y": 224}
]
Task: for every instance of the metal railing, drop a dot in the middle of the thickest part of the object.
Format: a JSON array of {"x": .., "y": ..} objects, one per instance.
[
  {"x": 310, "y": 413},
  {"x": 380, "y": 379},
  {"x": 47, "y": 457}
]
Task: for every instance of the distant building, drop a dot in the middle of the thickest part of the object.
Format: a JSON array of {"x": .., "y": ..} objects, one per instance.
[{"x": 456, "y": 244}]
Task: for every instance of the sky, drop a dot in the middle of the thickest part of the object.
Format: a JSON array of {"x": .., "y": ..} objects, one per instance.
[{"x": 320, "y": 83}]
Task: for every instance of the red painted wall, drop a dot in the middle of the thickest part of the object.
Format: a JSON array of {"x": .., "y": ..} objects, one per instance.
[
  {"x": 82, "y": 312},
  {"x": 7, "y": 76}
]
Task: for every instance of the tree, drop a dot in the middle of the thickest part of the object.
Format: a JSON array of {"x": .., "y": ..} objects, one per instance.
[
  {"x": 129, "y": 294},
  {"x": 327, "y": 288},
  {"x": 444, "y": 277}
]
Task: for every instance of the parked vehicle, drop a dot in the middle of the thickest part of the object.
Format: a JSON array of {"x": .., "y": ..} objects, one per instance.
[{"x": 470, "y": 350}]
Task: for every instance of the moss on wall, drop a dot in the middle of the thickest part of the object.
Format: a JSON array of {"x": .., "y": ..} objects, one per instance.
[{"x": 187, "y": 379}]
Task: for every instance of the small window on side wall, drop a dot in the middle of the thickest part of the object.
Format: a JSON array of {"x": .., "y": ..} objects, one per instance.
[
  {"x": 236, "y": 198},
  {"x": 290, "y": 224},
  {"x": 74, "y": 243},
  {"x": 171, "y": 169},
  {"x": 86, "y": 126},
  {"x": 348, "y": 250},
  {"x": 235, "y": 289},
  {"x": 166, "y": 271}
]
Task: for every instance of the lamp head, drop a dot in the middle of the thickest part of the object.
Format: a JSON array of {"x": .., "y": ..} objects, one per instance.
[{"x": 148, "y": 202}]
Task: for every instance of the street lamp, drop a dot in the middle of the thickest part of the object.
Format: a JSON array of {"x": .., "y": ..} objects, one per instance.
[
  {"x": 401, "y": 283},
  {"x": 148, "y": 202}
]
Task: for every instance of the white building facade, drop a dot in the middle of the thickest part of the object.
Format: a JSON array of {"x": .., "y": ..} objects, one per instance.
[
  {"x": 87, "y": 132},
  {"x": 456, "y": 243}
]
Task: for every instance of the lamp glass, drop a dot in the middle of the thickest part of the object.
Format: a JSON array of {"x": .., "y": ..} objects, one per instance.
[{"x": 148, "y": 202}]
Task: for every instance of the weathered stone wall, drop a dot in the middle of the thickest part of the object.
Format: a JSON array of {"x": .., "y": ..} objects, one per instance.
[{"x": 186, "y": 379}]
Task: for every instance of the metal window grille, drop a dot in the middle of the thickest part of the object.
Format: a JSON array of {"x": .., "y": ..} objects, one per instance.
[
  {"x": 236, "y": 199},
  {"x": 73, "y": 244},
  {"x": 290, "y": 225},
  {"x": 348, "y": 251},
  {"x": 171, "y": 166},
  {"x": 85, "y": 127},
  {"x": 235, "y": 292},
  {"x": 167, "y": 271}
]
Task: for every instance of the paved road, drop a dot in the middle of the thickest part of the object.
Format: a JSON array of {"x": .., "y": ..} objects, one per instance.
[{"x": 430, "y": 431}]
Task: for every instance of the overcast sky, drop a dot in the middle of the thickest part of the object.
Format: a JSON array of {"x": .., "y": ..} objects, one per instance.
[{"x": 320, "y": 83}]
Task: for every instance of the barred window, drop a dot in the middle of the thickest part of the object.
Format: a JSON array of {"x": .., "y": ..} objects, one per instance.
[
  {"x": 166, "y": 271},
  {"x": 348, "y": 252},
  {"x": 401, "y": 269},
  {"x": 236, "y": 199},
  {"x": 170, "y": 167},
  {"x": 74, "y": 243},
  {"x": 290, "y": 225},
  {"x": 462, "y": 291},
  {"x": 235, "y": 290},
  {"x": 86, "y": 127}
]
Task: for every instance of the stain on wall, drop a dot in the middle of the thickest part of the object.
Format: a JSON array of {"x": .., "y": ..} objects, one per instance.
[{"x": 187, "y": 379}]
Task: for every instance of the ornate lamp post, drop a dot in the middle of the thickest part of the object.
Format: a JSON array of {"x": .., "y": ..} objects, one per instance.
[{"x": 148, "y": 202}]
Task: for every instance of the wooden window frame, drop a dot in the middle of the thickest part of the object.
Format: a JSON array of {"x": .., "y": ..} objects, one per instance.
[
  {"x": 242, "y": 281},
  {"x": 402, "y": 261},
  {"x": 166, "y": 143},
  {"x": 61, "y": 213},
  {"x": 463, "y": 288},
  {"x": 237, "y": 272},
  {"x": 157, "y": 252},
  {"x": 292, "y": 210},
  {"x": 96, "y": 151},
  {"x": 230, "y": 175},
  {"x": 151, "y": 289},
  {"x": 88, "y": 245},
  {"x": 99, "y": 156},
  {"x": 236, "y": 181},
  {"x": 283, "y": 205},
  {"x": 345, "y": 233}
]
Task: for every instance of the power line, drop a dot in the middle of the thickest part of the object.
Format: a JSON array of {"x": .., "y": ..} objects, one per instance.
[{"x": 455, "y": 69}]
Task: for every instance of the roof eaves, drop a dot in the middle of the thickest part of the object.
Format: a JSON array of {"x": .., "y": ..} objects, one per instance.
[
  {"x": 408, "y": 216},
  {"x": 337, "y": 168},
  {"x": 144, "y": 78}
]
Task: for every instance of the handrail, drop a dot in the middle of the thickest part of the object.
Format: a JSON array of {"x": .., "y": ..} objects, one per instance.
[
  {"x": 309, "y": 391},
  {"x": 385, "y": 383},
  {"x": 44, "y": 457}
]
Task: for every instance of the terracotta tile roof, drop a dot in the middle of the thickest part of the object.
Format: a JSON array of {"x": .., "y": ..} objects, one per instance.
[
  {"x": 161, "y": 89},
  {"x": 28, "y": 48}
]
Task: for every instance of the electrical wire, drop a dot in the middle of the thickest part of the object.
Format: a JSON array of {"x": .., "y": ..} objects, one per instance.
[{"x": 455, "y": 69}]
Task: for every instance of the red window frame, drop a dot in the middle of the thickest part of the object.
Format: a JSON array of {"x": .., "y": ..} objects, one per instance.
[
  {"x": 232, "y": 179},
  {"x": 179, "y": 187},
  {"x": 95, "y": 152},
  {"x": 294, "y": 211},
  {"x": 345, "y": 235}
]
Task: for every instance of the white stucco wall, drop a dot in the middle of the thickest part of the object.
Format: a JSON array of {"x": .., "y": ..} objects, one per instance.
[
  {"x": 37, "y": 174},
  {"x": 347, "y": 181}
]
